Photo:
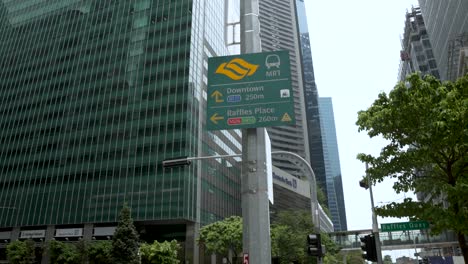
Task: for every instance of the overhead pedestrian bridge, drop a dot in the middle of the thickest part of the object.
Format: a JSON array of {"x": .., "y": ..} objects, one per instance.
[{"x": 395, "y": 240}]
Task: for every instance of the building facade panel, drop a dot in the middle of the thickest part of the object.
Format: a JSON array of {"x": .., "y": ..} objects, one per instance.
[
  {"x": 445, "y": 22},
  {"x": 84, "y": 121},
  {"x": 93, "y": 96}
]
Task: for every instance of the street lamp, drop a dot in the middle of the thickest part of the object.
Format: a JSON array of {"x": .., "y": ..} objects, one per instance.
[
  {"x": 367, "y": 183},
  {"x": 294, "y": 158}
]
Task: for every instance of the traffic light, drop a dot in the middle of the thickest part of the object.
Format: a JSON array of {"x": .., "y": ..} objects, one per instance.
[
  {"x": 364, "y": 183},
  {"x": 314, "y": 245},
  {"x": 368, "y": 245}
]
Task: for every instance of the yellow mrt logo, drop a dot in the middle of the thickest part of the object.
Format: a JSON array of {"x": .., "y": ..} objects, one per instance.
[{"x": 237, "y": 69}]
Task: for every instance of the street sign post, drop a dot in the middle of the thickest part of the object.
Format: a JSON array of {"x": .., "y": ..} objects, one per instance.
[
  {"x": 250, "y": 90},
  {"x": 403, "y": 226},
  {"x": 245, "y": 259}
]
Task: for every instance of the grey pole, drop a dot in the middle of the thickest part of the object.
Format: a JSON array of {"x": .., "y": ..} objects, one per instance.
[
  {"x": 375, "y": 227},
  {"x": 255, "y": 204}
]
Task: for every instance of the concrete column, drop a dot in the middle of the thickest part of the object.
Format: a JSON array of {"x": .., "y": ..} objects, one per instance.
[
  {"x": 50, "y": 232},
  {"x": 15, "y": 233},
  {"x": 191, "y": 246},
  {"x": 230, "y": 253},
  {"x": 88, "y": 232}
]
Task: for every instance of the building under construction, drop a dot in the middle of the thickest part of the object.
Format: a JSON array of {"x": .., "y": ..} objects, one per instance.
[{"x": 416, "y": 53}]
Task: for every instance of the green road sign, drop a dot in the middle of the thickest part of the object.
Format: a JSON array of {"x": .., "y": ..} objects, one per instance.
[
  {"x": 250, "y": 90},
  {"x": 416, "y": 225}
]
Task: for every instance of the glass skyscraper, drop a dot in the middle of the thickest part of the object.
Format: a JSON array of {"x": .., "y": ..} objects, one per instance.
[
  {"x": 311, "y": 95},
  {"x": 94, "y": 95},
  {"x": 335, "y": 193}
]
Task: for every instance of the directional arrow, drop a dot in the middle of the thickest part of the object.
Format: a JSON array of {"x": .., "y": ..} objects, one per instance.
[
  {"x": 214, "y": 118},
  {"x": 218, "y": 96}
]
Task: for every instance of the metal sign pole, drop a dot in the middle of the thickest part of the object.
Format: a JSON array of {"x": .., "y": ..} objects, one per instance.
[
  {"x": 255, "y": 204},
  {"x": 375, "y": 226}
]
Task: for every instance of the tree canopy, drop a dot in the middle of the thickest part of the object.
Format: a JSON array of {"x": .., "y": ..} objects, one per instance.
[
  {"x": 222, "y": 236},
  {"x": 425, "y": 123},
  {"x": 125, "y": 242},
  {"x": 63, "y": 253},
  {"x": 160, "y": 252},
  {"x": 289, "y": 231},
  {"x": 21, "y": 252},
  {"x": 99, "y": 252}
]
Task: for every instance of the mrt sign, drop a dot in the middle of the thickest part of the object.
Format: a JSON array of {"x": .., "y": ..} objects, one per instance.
[{"x": 250, "y": 90}]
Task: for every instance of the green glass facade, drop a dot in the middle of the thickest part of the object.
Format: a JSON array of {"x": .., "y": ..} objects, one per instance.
[{"x": 94, "y": 94}]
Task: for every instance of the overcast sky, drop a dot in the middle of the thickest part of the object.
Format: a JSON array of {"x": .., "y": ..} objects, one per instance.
[{"x": 356, "y": 53}]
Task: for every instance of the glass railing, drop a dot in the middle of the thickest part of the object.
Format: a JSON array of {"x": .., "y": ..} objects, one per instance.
[{"x": 410, "y": 238}]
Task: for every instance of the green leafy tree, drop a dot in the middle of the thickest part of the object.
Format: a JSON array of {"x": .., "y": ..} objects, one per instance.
[
  {"x": 125, "y": 242},
  {"x": 387, "y": 259},
  {"x": 82, "y": 249},
  {"x": 426, "y": 125},
  {"x": 222, "y": 236},
  {"x": 21, "y": 252},
  {"x": 354, "y": 257},
  {"x": 289, "y": 231},
  {"x": 322, "y": 199},
  {"x": 289, "y": 235},
  {"x": 160, "y": 253},
  {"x": 63, "y": 253},
  {"x": 99, "y": 252},
  {"x": 286, "y": 245}
]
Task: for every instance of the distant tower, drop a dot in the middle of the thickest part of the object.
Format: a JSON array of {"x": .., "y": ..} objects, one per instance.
[
  {"x": 283, "y": 26},
  {"x": 332, "y": 165},
  {"x": 311, "y": 100}
]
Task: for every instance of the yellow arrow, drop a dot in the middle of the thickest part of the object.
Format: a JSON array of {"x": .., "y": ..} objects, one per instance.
[
  {"x": 217, "y": 95},
  {"x": 214, "y": 118}
]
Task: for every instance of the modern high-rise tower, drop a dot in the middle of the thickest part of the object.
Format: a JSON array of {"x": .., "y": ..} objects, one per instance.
[
  {"x": 336, "y": 203},
  {"x": 279, "y": 31},
  {"x": 416, "y": 50},
  {"x": 94, "y": 94},
  {"x": 283, "y": 26},
  {"x": 311, "y": 95},
  {"x": 447, "y": 27}
]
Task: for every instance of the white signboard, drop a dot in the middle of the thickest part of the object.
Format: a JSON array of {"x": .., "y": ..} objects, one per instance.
[
  {"x": 32, "y": 234},
  {"x": 5, "y": 235},
  {"x": 69, "y": 232},
  {"x": 104, "y": 231},
  {"x": 286, "y": 180}
]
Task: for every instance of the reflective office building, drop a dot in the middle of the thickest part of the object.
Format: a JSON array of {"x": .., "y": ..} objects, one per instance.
[
  {"x": 336, "y": 203},
  {"x": 94, "y": 94},
  {"x": 314, "y": 132}
]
